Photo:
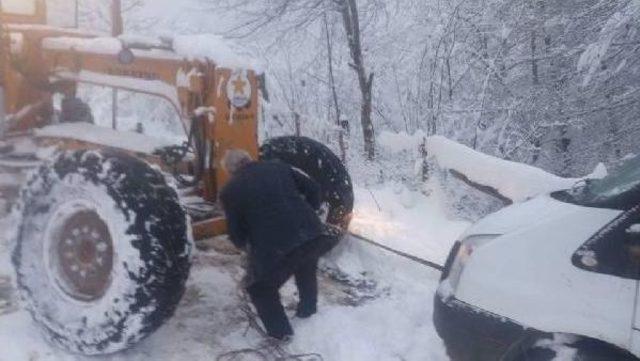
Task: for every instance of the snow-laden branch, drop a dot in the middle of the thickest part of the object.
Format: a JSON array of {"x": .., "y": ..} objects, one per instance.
[{"x": 509, "y": 181}]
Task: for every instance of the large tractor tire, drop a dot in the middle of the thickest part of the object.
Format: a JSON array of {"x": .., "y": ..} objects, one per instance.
[
  {"x": 102, "y": 253},
  {"x": 323, "y": 166}
]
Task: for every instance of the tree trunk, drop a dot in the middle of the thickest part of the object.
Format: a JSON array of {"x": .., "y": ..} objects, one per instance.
[
  {"x": 351, "y": 21},
  {"x": 334, "y": 94},
  {"x": 481, "y": 187},
  {"x": 296, "y": 122},
  {"x": 562, "y": 145},
  {"x": 450, "y": 81},
  {"x": 117, "y": 28},
  {"x": 534, "y": 62}
]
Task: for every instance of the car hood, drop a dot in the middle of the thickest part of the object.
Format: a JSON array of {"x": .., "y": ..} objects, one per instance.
[{"x": 526, "y": 214}]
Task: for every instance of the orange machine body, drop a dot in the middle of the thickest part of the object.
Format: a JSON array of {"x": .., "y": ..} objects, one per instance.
[{"x": 37, "y": 61}]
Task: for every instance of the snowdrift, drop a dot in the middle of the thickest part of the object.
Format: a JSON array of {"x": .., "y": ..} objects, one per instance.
[{"x": 510, "y": 181}]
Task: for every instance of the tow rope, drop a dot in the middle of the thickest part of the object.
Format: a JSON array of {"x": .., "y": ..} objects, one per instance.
[{"x": 412, "y": 258}]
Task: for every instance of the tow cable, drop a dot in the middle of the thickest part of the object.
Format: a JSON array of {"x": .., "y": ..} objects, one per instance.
[{"x": 412, "y": 258}]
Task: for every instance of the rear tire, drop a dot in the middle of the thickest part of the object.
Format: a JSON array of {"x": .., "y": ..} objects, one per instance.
[
  {"x": 102, "y": 253},
  {"x": 320, "y": 164}
]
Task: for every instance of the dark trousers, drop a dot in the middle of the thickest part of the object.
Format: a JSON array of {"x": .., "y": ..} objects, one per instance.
[{"x": 302, "y": 263}]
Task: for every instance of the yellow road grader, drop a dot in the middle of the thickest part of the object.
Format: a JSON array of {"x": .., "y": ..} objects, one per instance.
[{"x": 106, "y": 219}]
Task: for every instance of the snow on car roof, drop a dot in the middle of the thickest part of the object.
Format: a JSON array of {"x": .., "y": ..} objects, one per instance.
[
  {"x": 191, "y": 47},
  {"x": 90, "y": 133}
]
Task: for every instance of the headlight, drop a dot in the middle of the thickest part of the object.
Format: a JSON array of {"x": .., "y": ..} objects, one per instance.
[{"x": 459, "y": 257}]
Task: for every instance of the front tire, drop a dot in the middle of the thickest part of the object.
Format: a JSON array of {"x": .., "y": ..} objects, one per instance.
[{"x": 102, "y": 254}]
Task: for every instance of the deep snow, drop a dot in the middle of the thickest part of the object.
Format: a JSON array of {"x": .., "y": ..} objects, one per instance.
[
  {"x": 516, "y": 181},
  {"x": 406, "y": 220},
  {"x": 394, "y": 325},
  {"x": 385, "y": 313}
]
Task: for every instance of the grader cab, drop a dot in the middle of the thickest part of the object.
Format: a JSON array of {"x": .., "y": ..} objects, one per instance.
[{"x": 106, "y": 218}]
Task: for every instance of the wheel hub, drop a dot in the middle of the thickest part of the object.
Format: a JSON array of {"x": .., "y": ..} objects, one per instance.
[{"x": 82, "y": 256}]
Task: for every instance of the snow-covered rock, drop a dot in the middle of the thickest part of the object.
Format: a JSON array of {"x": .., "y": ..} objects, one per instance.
[
  {"x": 406, "y": 220},
  {"x": 515, "y": 181},
  {"x": 398, "y": 142}
]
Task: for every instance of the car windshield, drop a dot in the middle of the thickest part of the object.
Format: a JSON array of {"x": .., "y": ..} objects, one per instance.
[{"x": 621, "y": 180}]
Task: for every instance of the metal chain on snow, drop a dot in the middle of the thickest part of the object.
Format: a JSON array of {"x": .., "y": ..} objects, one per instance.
[{"x": 267, "y": 348}]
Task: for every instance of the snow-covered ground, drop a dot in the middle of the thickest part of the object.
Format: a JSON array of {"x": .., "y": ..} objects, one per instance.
[
  {"x": 406, "y": 220},
  {"x": 386, "y": 318}
]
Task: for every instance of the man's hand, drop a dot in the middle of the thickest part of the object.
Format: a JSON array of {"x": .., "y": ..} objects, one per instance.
[
  {"x": 309, "y": 188},
  {"x": 323, "y": 212}
]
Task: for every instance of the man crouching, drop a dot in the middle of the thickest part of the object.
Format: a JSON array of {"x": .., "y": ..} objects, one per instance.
[{"x": 271, "y": 213}]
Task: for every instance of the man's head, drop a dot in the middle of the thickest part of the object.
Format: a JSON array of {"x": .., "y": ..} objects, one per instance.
[{"x": 234, "y": 160}]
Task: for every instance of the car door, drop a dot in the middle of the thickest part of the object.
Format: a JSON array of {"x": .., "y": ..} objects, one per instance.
[
  {"x": 633, "y": 234},
  {"x": 615, "y": 251}
]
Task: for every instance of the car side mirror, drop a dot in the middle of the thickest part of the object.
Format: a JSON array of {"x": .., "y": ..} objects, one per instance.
[
  {"x": 632, "y": 241},
  {"x": 633, "y": 235}
]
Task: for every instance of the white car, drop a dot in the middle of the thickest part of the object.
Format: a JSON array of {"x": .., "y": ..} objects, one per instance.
[{"x": 557, "y": 275}]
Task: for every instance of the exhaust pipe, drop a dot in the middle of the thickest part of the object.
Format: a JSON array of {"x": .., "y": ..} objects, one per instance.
[
  {"x": 3, "y": 121},
  {"x": 117, "y": 26}
]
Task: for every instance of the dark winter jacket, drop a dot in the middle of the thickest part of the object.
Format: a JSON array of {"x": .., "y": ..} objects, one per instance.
[{"x": 270, "y": 210}]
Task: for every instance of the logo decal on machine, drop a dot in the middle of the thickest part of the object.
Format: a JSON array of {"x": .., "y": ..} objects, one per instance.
[{"x": 239, "y": 89}]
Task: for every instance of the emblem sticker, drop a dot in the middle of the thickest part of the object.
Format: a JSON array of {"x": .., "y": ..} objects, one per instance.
[{"x": 239, "y": 89}]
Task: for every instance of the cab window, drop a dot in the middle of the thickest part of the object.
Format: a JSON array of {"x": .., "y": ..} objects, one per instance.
[{"x": 615, "y": 249}]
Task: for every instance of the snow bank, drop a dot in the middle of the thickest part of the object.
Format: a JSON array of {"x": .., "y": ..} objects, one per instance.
[
  {"x": 406, "y": 220},
  {"x": 512, "y": 180},
  {"x": 209, "y": 322},
  {"x": 399, "y": 142}
]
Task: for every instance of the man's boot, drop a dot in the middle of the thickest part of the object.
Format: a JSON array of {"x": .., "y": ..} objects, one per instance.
[
  {"x": 306, "y": 311},
  {"x": 270, "y": 310}
]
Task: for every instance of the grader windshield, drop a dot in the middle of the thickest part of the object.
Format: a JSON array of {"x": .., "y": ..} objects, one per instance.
[
  {"x": 19, "y": 7},
  {"x": 23, "y": 11}
]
